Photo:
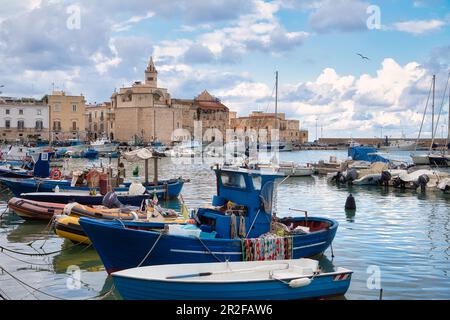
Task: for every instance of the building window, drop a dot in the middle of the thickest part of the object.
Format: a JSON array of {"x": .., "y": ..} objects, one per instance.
[
  {"x": 7, "y": 111},
  {"x": 74, "y": 126},
  {"x": 102, "y": 127},
  {"x": 39, "y": 125},
  {"x": 57, "y": 108},
  {"x": 7, "y": 124},
  {"x": 20, "y": 111},
  {"x": 39, "y": 112},
  {"x": 57, "y": 125},
  {"x": 101, "y": 116},
  {"x": 74, "y": 108},
  {"x": 90, "y": 117},
  {"x": 20, "y": 124}
]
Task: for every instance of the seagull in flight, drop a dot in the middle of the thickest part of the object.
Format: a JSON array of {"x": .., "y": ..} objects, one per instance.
[{"x": 363, "y": 57}]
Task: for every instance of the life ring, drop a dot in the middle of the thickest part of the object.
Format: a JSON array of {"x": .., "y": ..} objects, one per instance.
[{"x": 56, "y": 174}]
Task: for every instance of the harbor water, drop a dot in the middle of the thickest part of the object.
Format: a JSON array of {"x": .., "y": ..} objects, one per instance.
[{"x": 396, "y": 240}]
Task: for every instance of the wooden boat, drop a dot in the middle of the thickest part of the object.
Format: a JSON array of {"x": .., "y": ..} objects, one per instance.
[
  {"x": 254, "y": 280},
  {"x": 85, "y": 197},
  {"x": 35, "y": 210},
  {"x": 45, "y": 211},
  {"x": 246, "y": 194}
]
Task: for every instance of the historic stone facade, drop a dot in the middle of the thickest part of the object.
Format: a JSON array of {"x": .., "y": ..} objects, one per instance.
[
  {"x": 99, "y": 121},
  {"x": 289, "y": 129},
  {"x": 144, "y": 111},
  {"x": 66, "y": 116},
  {"x": 209, "y": 111},
  {"x": 147, "y": 113},
  {"x": 23, "y": 119}
]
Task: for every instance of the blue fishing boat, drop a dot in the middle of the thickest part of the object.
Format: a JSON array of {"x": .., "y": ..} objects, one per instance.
[
  {"x": 163, "y": 189},
  {"x": 26, "y": 169},
  {"x": 255, "y": 280},
  {"x": 8, "y": 171},
  {"x": 240, "y": 226}
]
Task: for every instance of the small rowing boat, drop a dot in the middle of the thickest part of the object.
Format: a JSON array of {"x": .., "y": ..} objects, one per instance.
[{"x": 252, "y": 280}]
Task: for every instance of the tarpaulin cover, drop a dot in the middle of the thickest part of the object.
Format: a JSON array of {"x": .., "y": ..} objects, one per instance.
[
  {"x": 138, "y": 154},
  {"x": 365, "y": 154}
]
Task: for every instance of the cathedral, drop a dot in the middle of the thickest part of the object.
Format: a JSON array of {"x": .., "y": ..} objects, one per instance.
[{"x": 144, "y": 112}]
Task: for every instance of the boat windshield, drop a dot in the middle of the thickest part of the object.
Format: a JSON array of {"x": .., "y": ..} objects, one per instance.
[{"x": 232, "y": 179}]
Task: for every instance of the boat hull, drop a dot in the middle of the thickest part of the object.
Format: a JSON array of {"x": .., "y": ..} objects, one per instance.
[
  {"x": 165, "y": 189},
  {"x": 33, "y": 210},
  {"x": 123, "y": 248},
  {"x": 62, "y": 197},
  {"x": 321, "y": 286}
]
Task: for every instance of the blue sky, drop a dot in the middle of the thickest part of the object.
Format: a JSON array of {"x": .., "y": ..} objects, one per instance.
[{"x": 232, "y": 48}]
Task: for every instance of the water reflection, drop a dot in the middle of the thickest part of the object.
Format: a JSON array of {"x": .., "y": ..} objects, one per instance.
[
  {"x": 403, "y": 232},
  {"x": 85, "y": 258}
]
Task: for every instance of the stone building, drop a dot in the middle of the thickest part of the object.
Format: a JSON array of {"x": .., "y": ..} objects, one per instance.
[
  {"x": 23, "y": 119},
  {"x": 209, "y": 111},
  {"x": 147, "y": 112},
  {"x": 289, "y": 129},
  {"x": 144, "y": 111},
  {"x": 99, "y": 121},
  {"x": 66, "y": 116}
]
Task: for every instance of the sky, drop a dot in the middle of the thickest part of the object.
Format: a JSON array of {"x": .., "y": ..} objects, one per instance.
[{"x": 233, "y": 48}]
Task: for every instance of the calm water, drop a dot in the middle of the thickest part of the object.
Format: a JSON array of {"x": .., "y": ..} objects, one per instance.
[{"x": 404, "y": 234}]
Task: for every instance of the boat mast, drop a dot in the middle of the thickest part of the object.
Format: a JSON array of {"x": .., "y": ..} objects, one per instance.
[
  {"x": 432, "y": 108},
  {"x": 276, "y": 100},
  {"x": 448, "y": 122}
]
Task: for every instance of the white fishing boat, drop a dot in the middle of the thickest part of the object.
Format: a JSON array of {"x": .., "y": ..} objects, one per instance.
[
  {"x": 249, "y": 280},
  {"x": 399, "y": 145},
  {"x": 295, "y": 170},
  {"x": 104, "y": 145}
]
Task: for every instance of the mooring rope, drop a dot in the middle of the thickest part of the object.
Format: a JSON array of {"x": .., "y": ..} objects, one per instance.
[
  {"x": 29, "y": 286},
  {"x": 150, "y": 251},
  {"x": 209, "y": 251},
  {"x": 2, "y": 248}
]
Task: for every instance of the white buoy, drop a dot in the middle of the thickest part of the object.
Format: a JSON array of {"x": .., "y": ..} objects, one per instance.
[{"x": 297, "y": 283}]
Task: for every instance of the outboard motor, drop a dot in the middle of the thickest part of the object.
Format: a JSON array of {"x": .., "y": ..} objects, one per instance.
[
  {"x": 422, "y": 181},
  {"x": 352, "y": 174},
  {"x": 385, "y": 178},
  {"x": 110, "y": 200}
]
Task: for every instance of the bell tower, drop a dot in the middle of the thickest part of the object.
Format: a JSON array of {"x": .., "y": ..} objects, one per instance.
[{"x": 151, "y": 75}]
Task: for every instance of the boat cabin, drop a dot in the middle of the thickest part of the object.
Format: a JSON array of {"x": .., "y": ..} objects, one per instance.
[{"x": 243, "y": 204}]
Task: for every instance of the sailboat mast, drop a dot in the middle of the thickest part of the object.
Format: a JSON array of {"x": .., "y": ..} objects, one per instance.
[
  {"x": 276, "y": 99},
  {"x": 432, "y": 107},
  {"x": 448, "y": 120}
]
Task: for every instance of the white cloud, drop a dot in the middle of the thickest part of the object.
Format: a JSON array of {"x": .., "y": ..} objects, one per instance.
[
  {"x": 344, "y": 104},
  {"x": 127, "y": 24},
  {"x": 418, "y": 27}
]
